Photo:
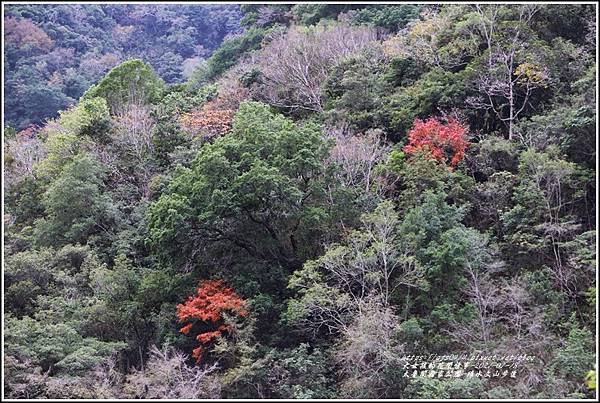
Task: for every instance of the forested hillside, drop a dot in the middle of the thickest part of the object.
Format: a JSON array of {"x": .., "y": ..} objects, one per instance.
[
  {"x": 54, "y": 52},
  {"x": 340, "y": 202}
]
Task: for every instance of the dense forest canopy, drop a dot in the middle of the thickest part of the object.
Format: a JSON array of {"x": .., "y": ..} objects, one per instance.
[
  {"x": 295, "y": 201},
  {"x": 55, "y": 52}
]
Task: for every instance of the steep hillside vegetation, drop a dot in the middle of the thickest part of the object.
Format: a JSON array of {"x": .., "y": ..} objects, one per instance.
[
  {"x": 53, "y": 53},
  {"x": 335, "y": 196}
]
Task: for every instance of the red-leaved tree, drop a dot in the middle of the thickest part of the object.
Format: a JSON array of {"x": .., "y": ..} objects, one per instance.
[
  {"x": 445, "y": 142},
  {"x": 208, "y": 305}
]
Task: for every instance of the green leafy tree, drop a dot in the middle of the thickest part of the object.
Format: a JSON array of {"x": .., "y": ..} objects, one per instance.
[
  {"x": 370, "y": 264},
  {"x": 576, "y": 356},
  {"x": 89, "y": 118},
  {"x": 353, "y": 92},
  {"x": 540, "y": 219},
  {"x": 227, "y": 55},
  {"x": 390, "y": 17},
  {"x": 261, "y": 189},
  {"x": 167, "y": 134},
  {"x": 298, "y": 373},
  {"x": 57, "y": 347},
  {"x": 75, "y": 205},
  {"x": 131, "y": 82}
]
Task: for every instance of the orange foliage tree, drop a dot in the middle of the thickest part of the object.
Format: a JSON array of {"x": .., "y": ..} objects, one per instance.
[
  {"x": 444, "y": 142},
  {"x": 213, "y": 119},
  {"x": 208, "y": 305}
]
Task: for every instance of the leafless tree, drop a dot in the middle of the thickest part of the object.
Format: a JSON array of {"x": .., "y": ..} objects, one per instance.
[
  {"x": 95, "y": 65},
  {"x": 508, "y": 83},
  {"x": 106, "y": 379},
  {"x": 550, "y": 178},
  {"x": 23, "y": 379},
  {"x": 515, "y": 306},
  {"x": 369, "y": 266},
  {"x": 21, "y": 155},
  {"x": 526, "y": 333},
  {"x": 358, "y": 156},
  {"x": 482, "y": 291},
  {"x": 372, "y": 264},
  {"x": 133, "y": 130},
  {"x": 269, "y": 15},
  {"x": 367, "y": 349},
  {"x": 132, "y": 134},
  {"x": 592, "y": 26},
  {"x": 231, "y": 91},
  {"x": 295, "y": 64},
  {"x": 168, "y": 376}
]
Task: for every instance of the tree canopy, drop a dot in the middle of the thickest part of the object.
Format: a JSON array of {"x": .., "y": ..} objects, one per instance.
[{"x": 300, "y": 201}]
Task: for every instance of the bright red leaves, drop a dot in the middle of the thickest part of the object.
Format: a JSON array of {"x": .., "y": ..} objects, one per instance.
[
  {"x": 445, "y": 142},
  {"x": 212, "y": 299}
]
